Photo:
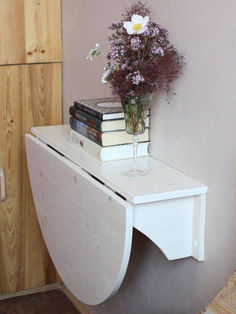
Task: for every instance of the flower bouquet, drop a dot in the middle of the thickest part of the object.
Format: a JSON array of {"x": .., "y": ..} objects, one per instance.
[{"x": 141, "y": 61}]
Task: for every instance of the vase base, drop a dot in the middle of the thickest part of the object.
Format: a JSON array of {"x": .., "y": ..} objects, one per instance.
[{"x": 136, "y": 173}]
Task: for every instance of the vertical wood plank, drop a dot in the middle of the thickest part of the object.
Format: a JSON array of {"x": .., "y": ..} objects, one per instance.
[
  {"x": 10, "y": 160},
  {"x": 30, "y": 31},
  {"x": 30, "y": 95},
  {"x": 43, "y": 30},
  {"x": 12, "y": 32}
]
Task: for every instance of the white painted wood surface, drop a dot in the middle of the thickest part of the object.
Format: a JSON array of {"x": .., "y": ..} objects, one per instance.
[
  {"x": 168, "y": 224},
  {"x": 199, "y": 214},
  {"x": 155, "y": 214},
  {"x": 87, "y": 228},
  {"x": 162, "y": 183},
  {"x": 176, "y": 226}
]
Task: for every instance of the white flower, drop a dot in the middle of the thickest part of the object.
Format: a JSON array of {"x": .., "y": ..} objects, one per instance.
[
  {"x": 93, "y": 52},
  {"x": 138, "y": 24},
  {"x": 105, "y": 75}
]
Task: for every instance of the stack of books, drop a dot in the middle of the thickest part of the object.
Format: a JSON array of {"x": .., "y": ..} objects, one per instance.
[{"x": 98, "y": 127}]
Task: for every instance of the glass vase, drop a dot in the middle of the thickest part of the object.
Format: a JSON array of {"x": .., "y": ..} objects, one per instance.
[{"x": 135, "y": 115}]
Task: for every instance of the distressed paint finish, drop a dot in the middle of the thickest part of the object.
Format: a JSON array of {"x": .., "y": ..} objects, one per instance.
[{"x": 87, "y": 228}]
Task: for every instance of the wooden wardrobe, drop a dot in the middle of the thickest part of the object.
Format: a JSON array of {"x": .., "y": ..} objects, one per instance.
[{"x": 30, "y": 95}]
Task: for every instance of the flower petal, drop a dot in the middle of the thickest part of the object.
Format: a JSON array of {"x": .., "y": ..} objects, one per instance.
[
  {"x": 145, "y": 21},
  {"x": 129, "y": 27},
  {"x": 137, "y": 19},
  {"x": 105, "y": 75}
]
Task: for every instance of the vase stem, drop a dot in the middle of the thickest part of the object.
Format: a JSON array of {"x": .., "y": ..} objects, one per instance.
[{"x": 135, "y": 153}]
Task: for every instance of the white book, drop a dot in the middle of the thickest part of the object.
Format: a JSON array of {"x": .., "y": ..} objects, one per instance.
[{"x": 107, "y": 153}]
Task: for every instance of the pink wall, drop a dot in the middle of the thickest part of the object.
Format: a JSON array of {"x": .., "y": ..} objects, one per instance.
[{"x": 194, "y": 133}]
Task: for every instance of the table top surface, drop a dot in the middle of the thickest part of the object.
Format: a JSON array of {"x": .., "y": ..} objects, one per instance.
[{"x": 162, "y": 183}]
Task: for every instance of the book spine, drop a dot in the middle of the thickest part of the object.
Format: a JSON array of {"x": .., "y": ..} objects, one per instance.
[
  {"x": 91, "y": 133},
  {"x": 86, "y": 118},
  {"x": 91, "y": 111},
  {"x": 106, "y": 153},
  {"x": 86, "y": 144}
]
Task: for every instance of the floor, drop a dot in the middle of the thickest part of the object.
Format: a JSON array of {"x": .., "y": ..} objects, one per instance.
[
  {"x": 49, "y": 302},
  {"x": 225, "y": 301}
]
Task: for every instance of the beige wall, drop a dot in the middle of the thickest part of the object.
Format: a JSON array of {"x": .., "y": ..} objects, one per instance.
[{"x": 195, "y": 133}]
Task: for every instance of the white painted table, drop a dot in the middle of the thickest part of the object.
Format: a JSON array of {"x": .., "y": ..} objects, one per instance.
[{"x": 87, "y": 210}]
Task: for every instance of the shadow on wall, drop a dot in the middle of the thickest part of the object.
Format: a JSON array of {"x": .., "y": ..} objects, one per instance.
[{"x": 146, "y": 267}]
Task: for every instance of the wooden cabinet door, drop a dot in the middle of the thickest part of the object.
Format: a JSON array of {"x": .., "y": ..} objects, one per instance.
[
  {"x": 30, "y": 95},
  {"x": 30, "y": 31}
]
